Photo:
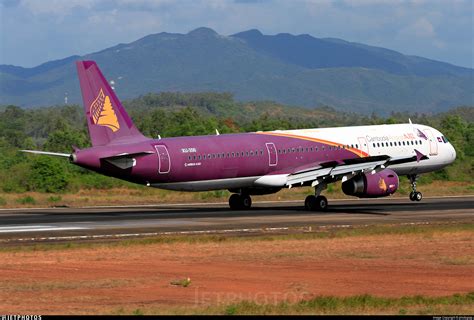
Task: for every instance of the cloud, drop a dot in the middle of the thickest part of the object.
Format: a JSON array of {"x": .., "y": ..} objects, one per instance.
[
  {"x": 54, "y": 29},
  {"x": 421, "y": 28},
  {"x": 55, "y": 7}
]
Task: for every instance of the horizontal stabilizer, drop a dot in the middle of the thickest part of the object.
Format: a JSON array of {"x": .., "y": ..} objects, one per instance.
[{"x": 55, "y": 154}]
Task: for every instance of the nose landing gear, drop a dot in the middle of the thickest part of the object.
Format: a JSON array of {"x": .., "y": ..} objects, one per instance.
[{"x": 414, "y": 195}]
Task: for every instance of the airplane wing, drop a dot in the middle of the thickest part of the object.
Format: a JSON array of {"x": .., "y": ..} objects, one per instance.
[{"x": 333, "y": 170}]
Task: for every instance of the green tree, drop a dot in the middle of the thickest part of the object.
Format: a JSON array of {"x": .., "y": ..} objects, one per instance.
[{"x": 48, "y": 174}]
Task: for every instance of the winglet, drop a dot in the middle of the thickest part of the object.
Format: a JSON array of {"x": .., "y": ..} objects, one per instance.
[{"x": 420, "y": 156}]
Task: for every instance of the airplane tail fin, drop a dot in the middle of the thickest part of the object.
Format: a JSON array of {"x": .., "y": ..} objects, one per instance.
[{"x": 107, "y": 120}]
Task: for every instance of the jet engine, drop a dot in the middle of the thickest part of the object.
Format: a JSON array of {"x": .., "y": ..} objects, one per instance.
[{"x": 367, "y": 185}]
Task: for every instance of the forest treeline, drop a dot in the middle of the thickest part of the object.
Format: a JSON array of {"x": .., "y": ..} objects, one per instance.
[{"x": 58, "y": 128}]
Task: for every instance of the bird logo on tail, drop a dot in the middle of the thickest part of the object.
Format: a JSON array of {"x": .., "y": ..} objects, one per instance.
[{"x": 102, "y": 112}]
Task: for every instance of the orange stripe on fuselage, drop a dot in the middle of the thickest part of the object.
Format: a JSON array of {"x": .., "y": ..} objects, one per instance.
[{"x": 356, "y": 151}]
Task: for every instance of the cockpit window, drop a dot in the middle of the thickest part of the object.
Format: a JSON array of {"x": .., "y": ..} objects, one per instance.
[{"x": 445, "y": 139}]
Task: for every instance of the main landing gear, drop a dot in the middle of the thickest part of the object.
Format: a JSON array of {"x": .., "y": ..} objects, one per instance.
[
  {"x": 240, "y": 201},
  {"x": 316, "y": 202},
  {"x": 313, "y": 203},
  {"x": 414, "y": 195}
]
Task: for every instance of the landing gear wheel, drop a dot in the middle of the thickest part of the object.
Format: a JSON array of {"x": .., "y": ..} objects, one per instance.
[
  {"x": 310, "y": 203},
  {"x": 322, "y": 203},
  {"x": 412, "y": 196},
  {"x": 313, "y": 203},
  {"x": 234, "y": 201},
  {"x": 246, "y": 201},
  {"x": 418, "y": 196},
  {"x": 240, "y": 202}
]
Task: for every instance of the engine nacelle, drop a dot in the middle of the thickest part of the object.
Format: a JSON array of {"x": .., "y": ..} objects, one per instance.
[{"x": 380, "y": 184}]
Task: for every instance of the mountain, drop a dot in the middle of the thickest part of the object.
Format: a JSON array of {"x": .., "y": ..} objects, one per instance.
[
  {"x": 313, "y": 53},
  {"x": 296, "y": 70}
]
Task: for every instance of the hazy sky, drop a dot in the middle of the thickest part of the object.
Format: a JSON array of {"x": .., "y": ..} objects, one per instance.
[{"x": 36, "y": 31}]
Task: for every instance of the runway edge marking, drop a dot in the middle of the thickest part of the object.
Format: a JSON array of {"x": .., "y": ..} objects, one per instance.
[{"x": 195, "y": 232}]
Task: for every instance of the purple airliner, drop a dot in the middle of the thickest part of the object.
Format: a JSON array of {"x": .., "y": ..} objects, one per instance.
[{"x": 368, "y": 159}]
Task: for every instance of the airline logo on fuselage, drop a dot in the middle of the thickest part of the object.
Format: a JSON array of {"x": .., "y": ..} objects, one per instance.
[
  {"x": 102, "y": 112},
  {"x": 382, "y": 185}
]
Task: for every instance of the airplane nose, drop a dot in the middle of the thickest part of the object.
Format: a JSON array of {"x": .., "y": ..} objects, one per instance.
[{"x": 452, "y": 152}]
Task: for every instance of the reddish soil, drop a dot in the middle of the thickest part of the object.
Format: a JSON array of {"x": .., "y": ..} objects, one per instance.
[{"x": 109, "y": 279}]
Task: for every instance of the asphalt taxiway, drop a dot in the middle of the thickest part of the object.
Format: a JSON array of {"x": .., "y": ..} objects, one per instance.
[{"x": 17, "y": 225}]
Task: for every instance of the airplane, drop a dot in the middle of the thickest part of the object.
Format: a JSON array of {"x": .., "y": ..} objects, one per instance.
[{"x": 368, "y": 159}]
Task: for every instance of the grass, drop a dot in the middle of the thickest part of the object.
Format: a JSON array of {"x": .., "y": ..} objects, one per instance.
[
  {"x": 55, "y": 199},
  {"x": 26, "y": 200},
  {"x": 331, "y": 305},
  {"x": 60, "y": 285},
  {"x": 425, "y": 230},
  {"x": 457, "y": 261}
]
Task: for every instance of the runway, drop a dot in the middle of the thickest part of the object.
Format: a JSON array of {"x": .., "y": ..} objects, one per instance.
[{"x": 24, "y": 225}]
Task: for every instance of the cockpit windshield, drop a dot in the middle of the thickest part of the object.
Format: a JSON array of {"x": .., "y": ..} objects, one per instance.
[{"x": 445, "y": 139}]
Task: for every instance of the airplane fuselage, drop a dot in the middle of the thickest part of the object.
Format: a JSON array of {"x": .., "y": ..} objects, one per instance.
[{"x": 264, "y": 159}]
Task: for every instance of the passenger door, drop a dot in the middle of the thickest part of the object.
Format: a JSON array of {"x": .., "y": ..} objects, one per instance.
[
  {"x": 363, "y": 145},
  {"x": 272, "y": 154},
  {"x": 164, "y": 163}
]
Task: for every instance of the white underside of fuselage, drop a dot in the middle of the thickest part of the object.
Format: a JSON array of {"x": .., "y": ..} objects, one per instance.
[{"x": 271, "y": 180}]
